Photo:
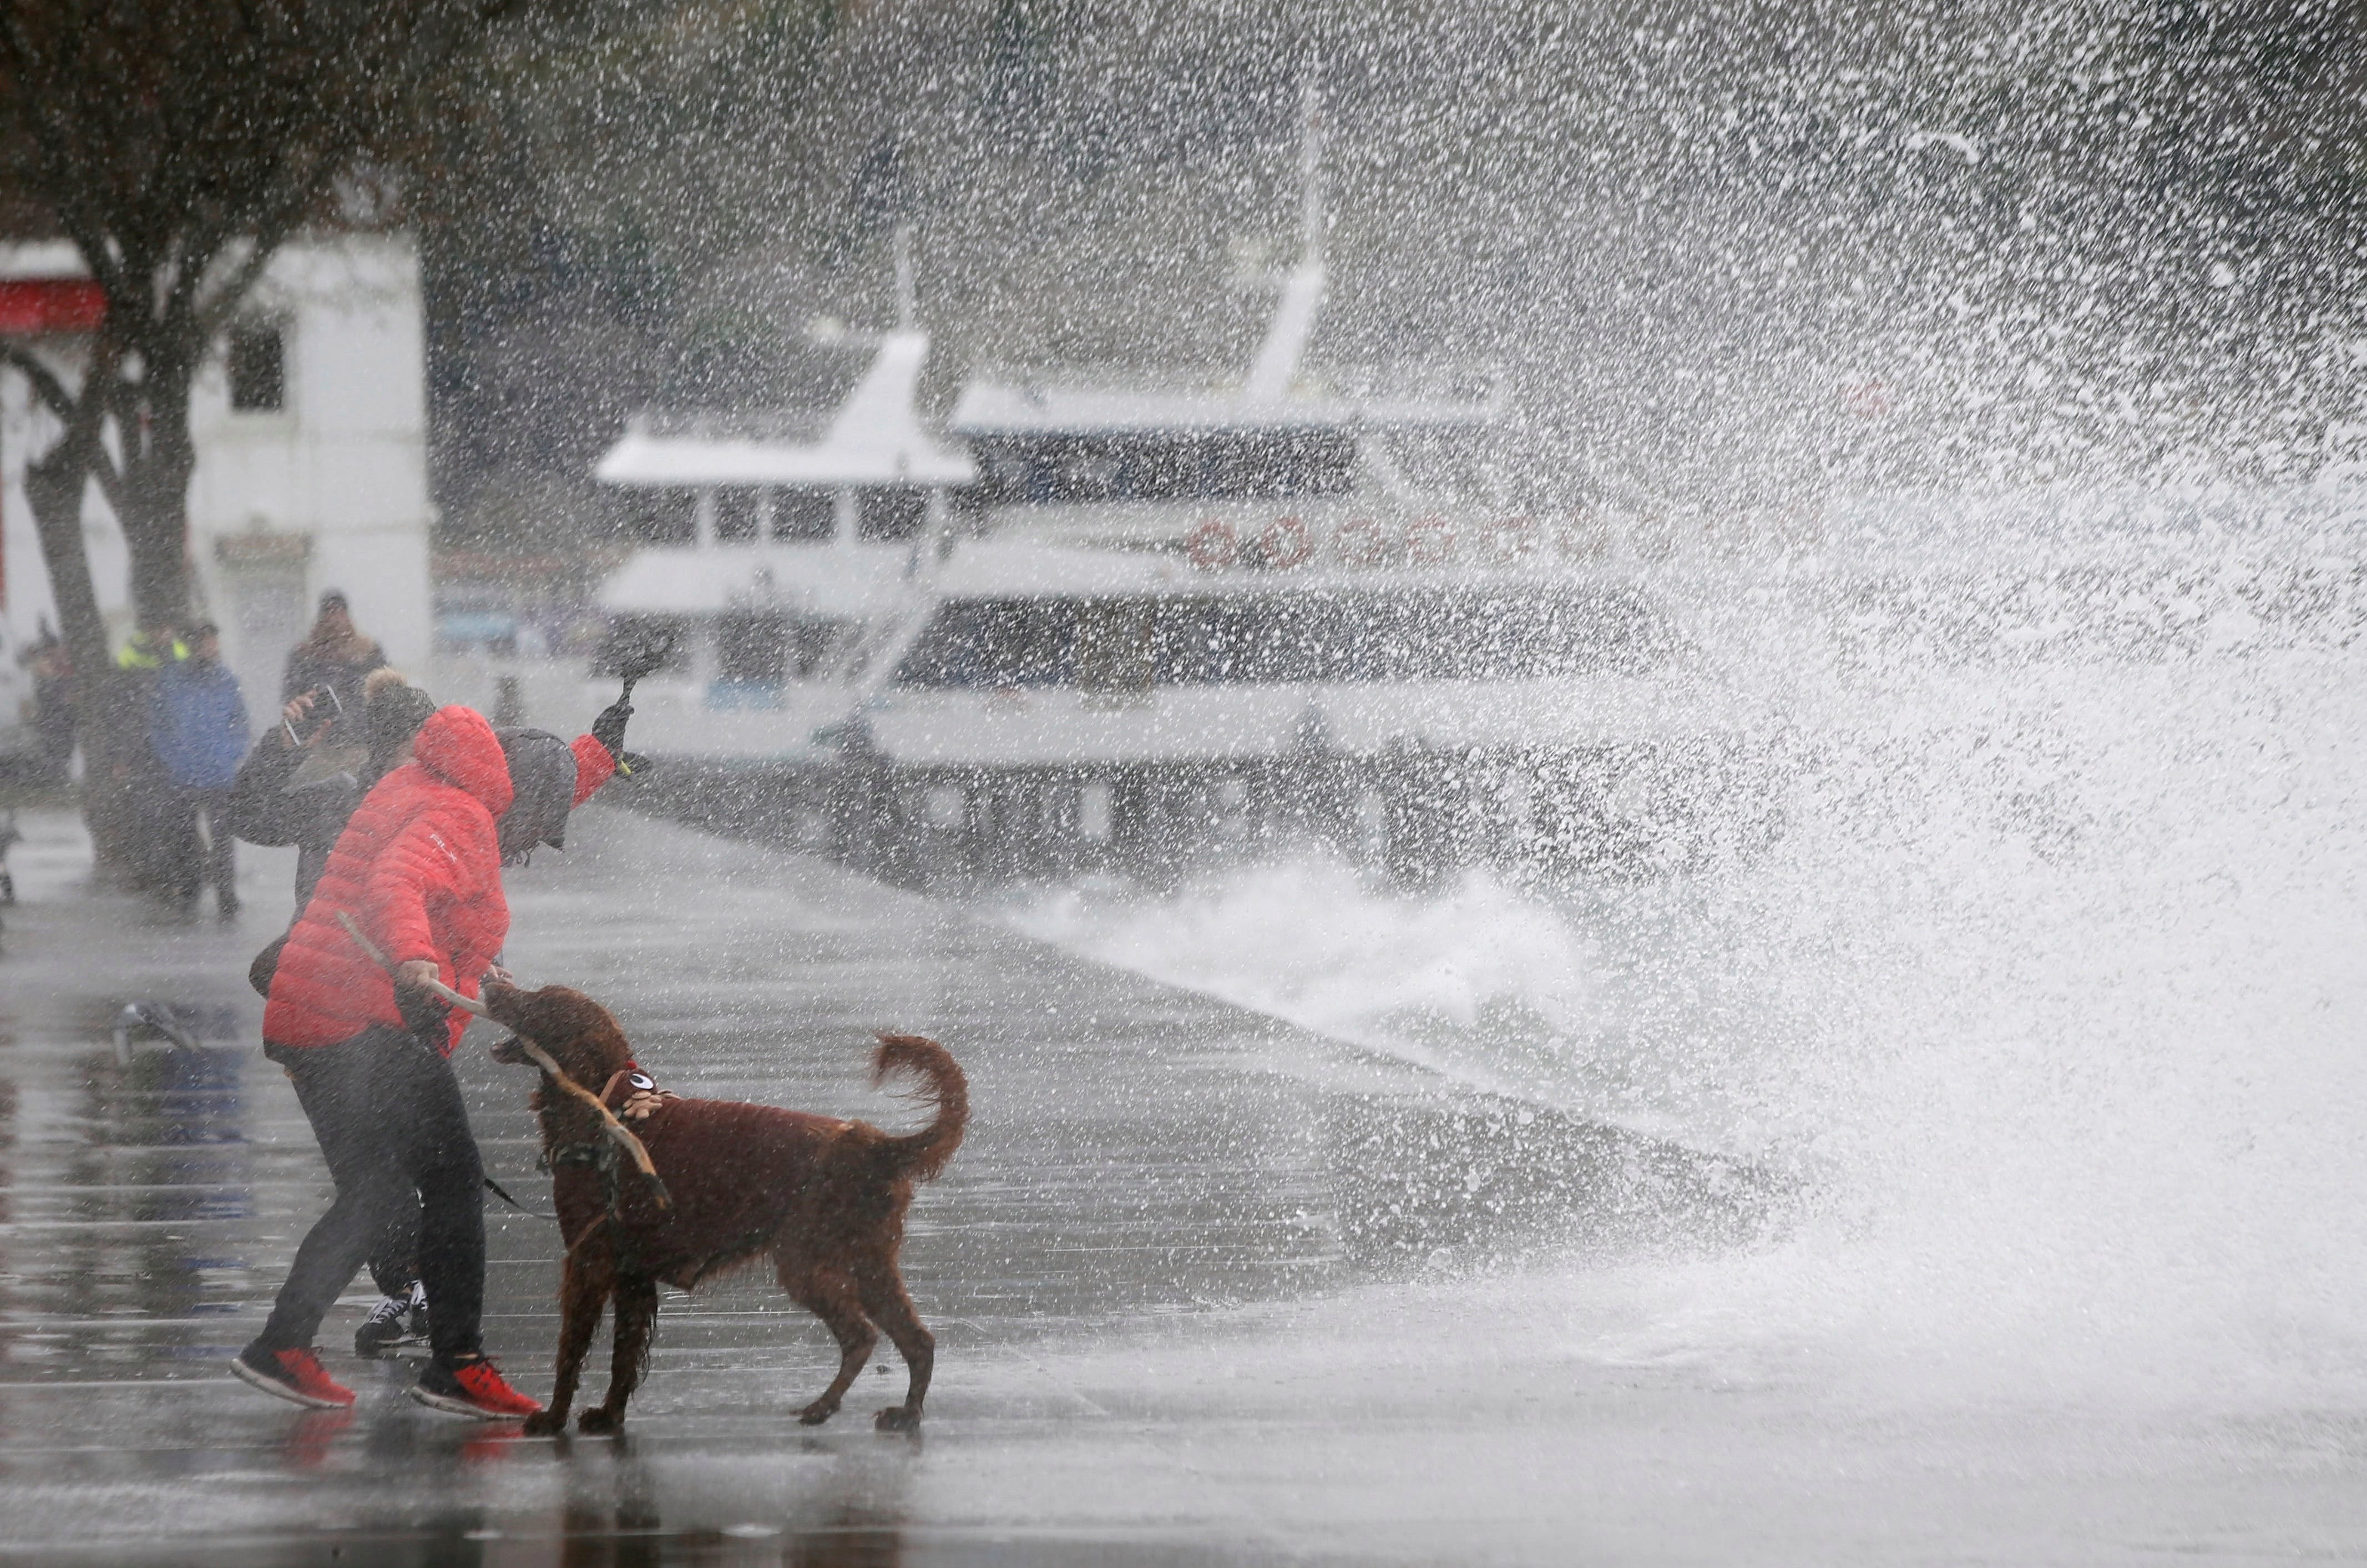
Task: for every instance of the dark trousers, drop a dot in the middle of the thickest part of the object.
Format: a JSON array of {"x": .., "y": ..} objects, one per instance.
[
  {"x": 394, "y": 1255},
  {"x": 196, "y": 860},
  {"x": 389, "y": 1115}
]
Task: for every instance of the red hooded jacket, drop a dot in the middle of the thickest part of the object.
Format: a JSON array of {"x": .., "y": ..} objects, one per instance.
[{"x": 420, "y": 870}]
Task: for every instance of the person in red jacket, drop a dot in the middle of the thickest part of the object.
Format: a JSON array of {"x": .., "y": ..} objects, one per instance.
[{"x": 419, "y": 870}]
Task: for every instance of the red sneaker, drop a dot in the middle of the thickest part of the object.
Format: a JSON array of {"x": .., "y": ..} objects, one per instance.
[
  {"x": 472, "y": 1388},
  {"x": 292, "y": 1375}
]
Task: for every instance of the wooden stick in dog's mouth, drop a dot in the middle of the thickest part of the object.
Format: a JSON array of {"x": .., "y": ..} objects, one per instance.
[
  {"x": 376, "y": 955},
  {"x": 466, "y": 1004},
  {"x": 609, "y": 1124},
  {"x": 542, "y": 1059}
]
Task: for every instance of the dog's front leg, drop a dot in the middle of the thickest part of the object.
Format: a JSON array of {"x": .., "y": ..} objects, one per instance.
[
  {"x": 583, "y": 1288},
  {"x": 637, "y": 1316}
]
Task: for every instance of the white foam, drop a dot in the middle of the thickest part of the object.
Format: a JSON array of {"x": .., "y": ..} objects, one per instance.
[
  {"x": 2052, "y": 989},
  {"x": 1454, "y": 981}
]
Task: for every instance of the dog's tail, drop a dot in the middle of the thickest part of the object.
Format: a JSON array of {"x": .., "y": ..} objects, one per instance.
[{"x": 922, "y": 1155}]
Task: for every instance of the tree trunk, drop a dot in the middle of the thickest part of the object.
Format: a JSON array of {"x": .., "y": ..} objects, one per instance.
[
  {"x": 158, "y": 459},
  {"x": 110, "y": 707}
]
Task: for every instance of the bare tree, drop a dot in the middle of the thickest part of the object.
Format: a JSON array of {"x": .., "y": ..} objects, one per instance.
[{"x": 179, "y": 146}]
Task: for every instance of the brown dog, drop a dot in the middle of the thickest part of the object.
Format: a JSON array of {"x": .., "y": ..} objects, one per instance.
[{"x": 824, "y": 1198}]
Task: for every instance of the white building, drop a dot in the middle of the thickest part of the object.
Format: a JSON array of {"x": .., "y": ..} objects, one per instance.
[{"x": 311, "y": 425}]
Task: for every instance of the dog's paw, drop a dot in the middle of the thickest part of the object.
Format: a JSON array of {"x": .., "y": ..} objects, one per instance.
[
  {"x": 817, "y": 1413},
  {"x": 543, "y": 1422},
  {"x": 895, "y": 1418},
  {"x": 598, "y": 1422}
]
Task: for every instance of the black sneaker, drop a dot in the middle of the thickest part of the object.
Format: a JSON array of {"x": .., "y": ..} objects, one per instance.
[{"x": 396, "y": 1321}]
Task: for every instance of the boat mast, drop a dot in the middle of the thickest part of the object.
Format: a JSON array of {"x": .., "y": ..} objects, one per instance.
[
  {"x": 908, "y": 309},
  {"x": 1276, "y": 365}
]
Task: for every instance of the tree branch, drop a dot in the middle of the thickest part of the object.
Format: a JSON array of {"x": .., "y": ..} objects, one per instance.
[
  {"x": 46, "y": 384},
  {"x": 52, "y": 390},
  {"x": 64, "y": 185}
]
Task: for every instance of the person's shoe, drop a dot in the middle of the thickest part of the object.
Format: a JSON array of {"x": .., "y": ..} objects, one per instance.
[
  {"x": 395, "y": 1321},
  {"x": 472, "y": 1388},
  {"x": 292, "y": 1375}
]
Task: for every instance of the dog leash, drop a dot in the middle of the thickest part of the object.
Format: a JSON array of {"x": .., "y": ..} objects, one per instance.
[{"x": 498, "y": 1190}]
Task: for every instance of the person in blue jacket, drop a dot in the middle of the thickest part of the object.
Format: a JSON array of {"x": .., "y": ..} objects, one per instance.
[{"x": 197, "y": 727}]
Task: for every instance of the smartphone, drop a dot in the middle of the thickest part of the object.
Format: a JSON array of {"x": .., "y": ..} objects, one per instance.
[{"x": 322, "y": 716}]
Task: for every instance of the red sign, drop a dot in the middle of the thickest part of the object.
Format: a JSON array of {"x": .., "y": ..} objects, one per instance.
[
  {"x": 1213, "y": 545},
  {"x": 30, "y": 306},
  {"x": 1287, "y": 544}
]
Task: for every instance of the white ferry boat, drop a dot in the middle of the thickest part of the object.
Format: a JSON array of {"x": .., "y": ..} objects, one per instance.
[{"x": 1125, "y": 622}]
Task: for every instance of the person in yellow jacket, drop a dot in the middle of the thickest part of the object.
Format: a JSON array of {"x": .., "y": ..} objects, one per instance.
[{"x": 151, "y": 648}]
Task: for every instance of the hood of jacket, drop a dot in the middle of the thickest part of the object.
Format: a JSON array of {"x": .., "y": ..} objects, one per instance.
[
  {"x": 458, "y": 745},
  {"x": 542, "y": 776}
]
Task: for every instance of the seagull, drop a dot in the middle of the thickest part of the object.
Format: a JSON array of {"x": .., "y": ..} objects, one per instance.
[{"x": 154, "y": 1016}]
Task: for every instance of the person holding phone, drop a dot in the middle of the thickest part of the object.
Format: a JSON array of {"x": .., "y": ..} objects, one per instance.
[
  {"x": 333, "y": 654},
  {"x": 267, "y": 804}
]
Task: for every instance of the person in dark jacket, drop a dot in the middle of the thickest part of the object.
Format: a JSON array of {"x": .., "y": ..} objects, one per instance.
[
  {"x": 333, "y": 654},
  {"x": 267, "y": 806},
  {"x": 197, "y": 728},
  {"x": 418, "y": 869},
  {"x": 136, "y": 778},
  {"x": 53, "y": 708}
]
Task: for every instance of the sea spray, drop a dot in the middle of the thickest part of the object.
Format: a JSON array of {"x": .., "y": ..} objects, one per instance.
[
  {"x": 2049, "y": 997},
  {"x": 1479, "y": 982}
]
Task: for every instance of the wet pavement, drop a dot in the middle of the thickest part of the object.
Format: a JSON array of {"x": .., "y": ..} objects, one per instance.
[
  {"x": 1145, "y": 1168},
  {"x": 1207, "y": 1290}
]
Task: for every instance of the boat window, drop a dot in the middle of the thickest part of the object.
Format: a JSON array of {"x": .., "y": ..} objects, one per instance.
[
  {"x": 661, "y": 517},
  {"x": 1159, "y": 466},
  {"x": 995, "y": 642},
  {"x": 735, "y": 513},
  {"x": 1126, "y": 643},
  {"x": 753, "y": 647},
  {"x": 805, "y": 514},
  {"x": 1114, "y": 644},
  {"x": 890, "y": 514},
  {"x": 1439, "y": 461}
]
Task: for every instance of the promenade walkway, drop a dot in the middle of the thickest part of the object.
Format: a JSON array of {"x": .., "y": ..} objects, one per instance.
[
  {"x": 1207, "y": 1290},
  {"x": 1146, "y": 1169}
]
